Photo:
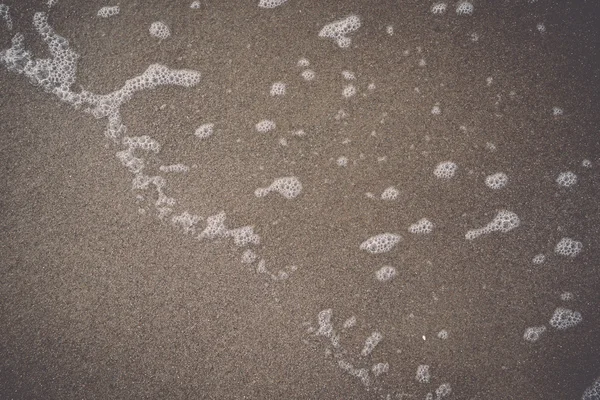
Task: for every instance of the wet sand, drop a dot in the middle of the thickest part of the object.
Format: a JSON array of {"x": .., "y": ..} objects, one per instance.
[{"x": 101, "y": 301}]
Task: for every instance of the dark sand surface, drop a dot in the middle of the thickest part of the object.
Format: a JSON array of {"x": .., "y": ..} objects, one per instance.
[{"x": 99, "y": 301}]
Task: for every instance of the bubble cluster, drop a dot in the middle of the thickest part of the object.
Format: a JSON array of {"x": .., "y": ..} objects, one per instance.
[
  {"x": 464, "y": 8},
  {"x": 349, "y": 323},
  {"x": 538, "y": 259},
  {"x": 108, "y": 11},
  {"x": 186, "y": 221},
  {"x": 557, "y": 111},
  {"x": 289, "y": 187},
  {"x": 592, "y": 392},
  {"x": 205, "y": 131},
  {"x": 533, "y": 334},
  {"x": 423, "y": 374},
  {"x": 443, "y": 390},
  {"x": 160, "y": 30},
  {"x": 385, "y": 273},
  {"x": 443, "y": 334},
  {"x": 270, "y": 3},
  {"x": 348, "y": 75},
  {"x": 381, "y": 243},
  {"x": 566, "y": 179},
  {"x": 380, "y": 369},
  {"x": 504, "y": 221},
  {"x": 174, "y": 168},
  {"x": 370, "y": 343},
  {"x": 349, "y": 91},
  {"x": 390, "y": 193},
  {"x": 278, "y": 89},
  {"x": 422, "y": 226},
  {"x": 563, "y": 318},
  {"x": 445, "y": 170},
  {"x": 338, "y": 30},
  {"x": 342, "y": 161},
  {"x": 496, "y": 181},
  {"x": 567, "y": 296},
  {"x": 586, "y": 163},
  {"x": 568, "y": 247},
  {"x": 439, "y": 8},
  {"x": 5, "y": 15},
  {"x": 308, "y": 75},
  {"x": 265, "y": 125}
]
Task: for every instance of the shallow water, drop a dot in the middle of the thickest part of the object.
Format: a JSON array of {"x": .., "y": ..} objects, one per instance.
[{"x": 407, "y": 197}]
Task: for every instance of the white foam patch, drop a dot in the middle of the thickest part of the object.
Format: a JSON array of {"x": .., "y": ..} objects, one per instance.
[
  {"x": 566, "y": 179},
  {"x": 443, "y": 390},
  {"x": 567, "y": 296},
  {"x": 289, "y": 187},
  {"x": 421, "y": 227},
  {"x": 568, "y": 247},
  {"x": 340, "y": 29},
  {"x": 370, "y": 343},
  {"x": 445, "y": 170},
  {"x": 534, "y": 333},
  {"x": 439, "y": 8},
  {"x": 381, "y": 243},
  {"x": 195, "y": 5},
  {"x": 108, "y": 11},
  {"x": 390, "y": 193},
  {"x": 278, "y": 89},
  {"x": 563, "y": 318},
  {"x": 423, "y": 374},
  {"x": 179, "y": 168},
  {"x": 496, "y": 181},
  {"x": 443, "y": 334},
  {"x": 504, "y": 221},
  {"x": 159, "y": 30},
  {"x": 5, "y": 15},
  {"x": 538, "y": 259},
  {"x": 385, "y": 273},
  {"x": 464, "y": 8},
  {"x": 308, "y": 75},
  {"x": 349, "y": 91},
  {"x": 592, "y": 392},
  {"x": 265, "y": 125},
  {"x": 205, "y": 131},
  {"x": 270, "y": 3}
]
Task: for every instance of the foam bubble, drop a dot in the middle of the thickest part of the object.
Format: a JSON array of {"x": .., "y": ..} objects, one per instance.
[
  {"x": 265, "y": 125},
  {"x": 186, "y": 221},
  {"x": 350, "y": 322},
  {"x": 423, "y": 374},
  {"x": 5, "y": 15},
  {"x": 563, "y": 318},
  {"x": 504, "y": 221},
  {"x": 435, "y": 110},
  {"x": 422, "y": 226},
  {"x": 308, "y": 75},
  {"x": 270, "y": 3},
  {"x": 108, "y": 11},
  {"x": 389, "y": 30},
  {"x": 380, "y": 368},
  {"x": 443, "y": 390},
  {"x": 381, "y": 243},
  {"x": 278, "y": 89},
  {"x": 496, "y": 181},
  {"x": 249, "y": 256},
  {"x": 533, "y": 334},
  {"x": 538, "y": 259},
  {"x": 390, "y": 193},
  {"x": 557, "y": 111},
  {"x": 205, "y": 131},
  {"x": 159, "y": 30},
  {"x": 370, "y": 343},
  {"x": 342, "y": 161},
  {"x": 349, "y": 91},
  {"x": 445, "y": 170},
  {"x": 586, "y": 163},
  {"x": 439, "y": 8},
  {"x": 385, "y": 273},
  {"x": 443, "y": 334},
  {"x": 348, "y": 75},
  {"x": 566, "y": 179},
  {"x": 568, "y": 247},
  {"x": 567, "y": 296},
  {"x": 289, "y": 187},
  {"x": 592, "y": 392},
  {"x": 303, "y": 62},
  {"x": 338, "y": 30},
  {"x": 464, "y": 8},
  {"x": 195, "y": 5}
]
